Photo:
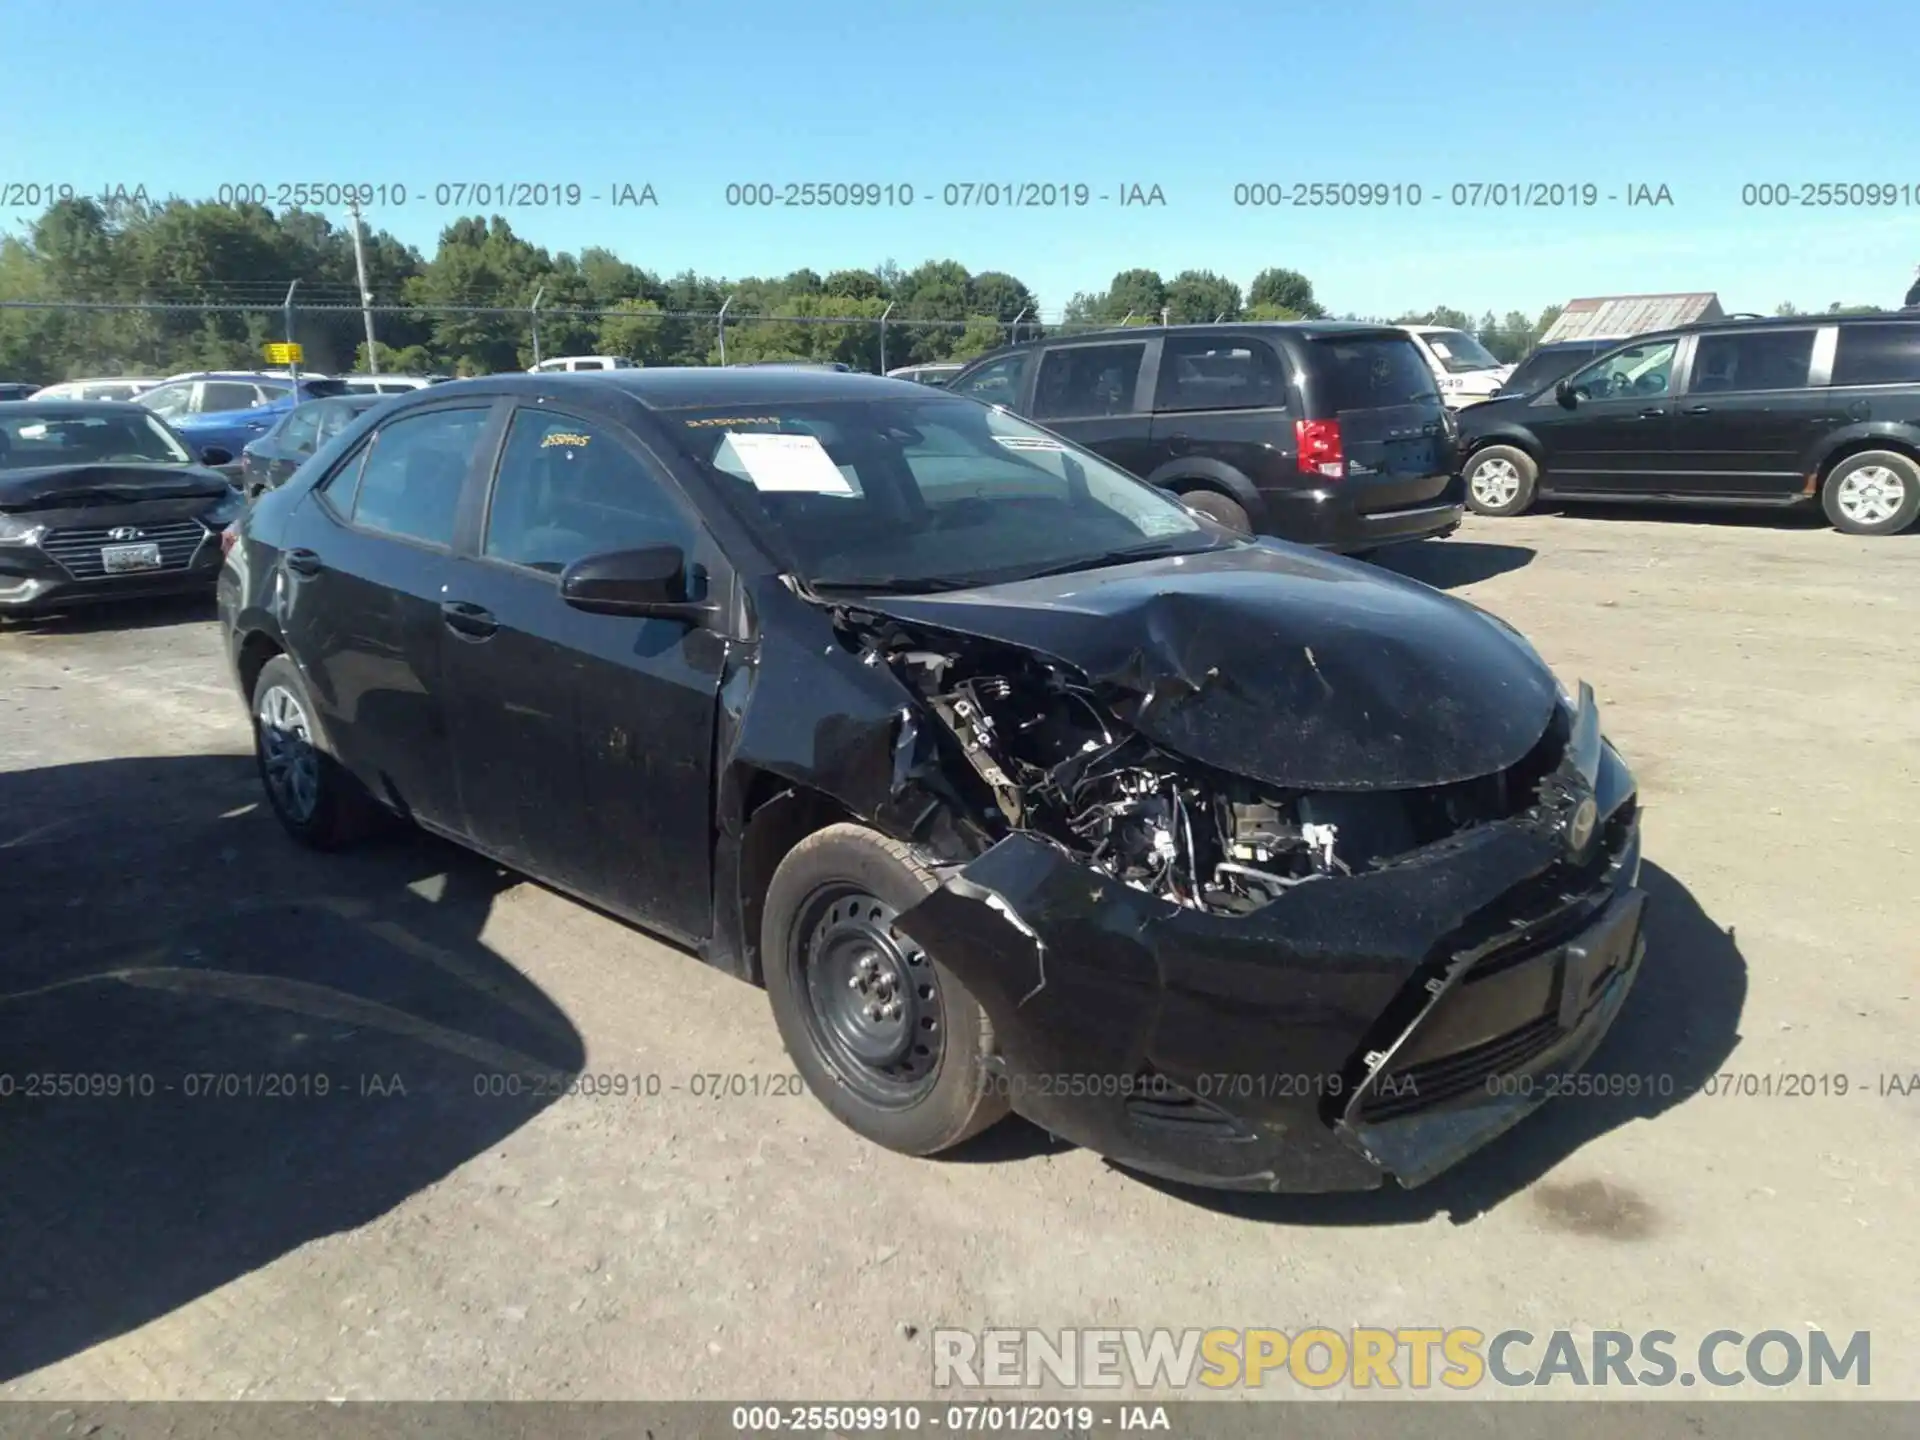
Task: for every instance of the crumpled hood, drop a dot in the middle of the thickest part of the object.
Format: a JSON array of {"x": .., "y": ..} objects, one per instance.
[
  {"x": 1281, "y": 664},
  {"x": 45, "y": 487}
]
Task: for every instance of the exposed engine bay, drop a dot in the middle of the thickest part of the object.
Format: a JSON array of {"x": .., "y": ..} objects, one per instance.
[{"x": 1052, "y": 756}]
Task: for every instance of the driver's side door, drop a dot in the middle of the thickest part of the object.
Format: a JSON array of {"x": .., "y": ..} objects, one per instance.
[{"x": 1618, "y": 435}]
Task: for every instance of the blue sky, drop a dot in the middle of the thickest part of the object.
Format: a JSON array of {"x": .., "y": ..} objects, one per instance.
[{"x": 1193, "y": 97}]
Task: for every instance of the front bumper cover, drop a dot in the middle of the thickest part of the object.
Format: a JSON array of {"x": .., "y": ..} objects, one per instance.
[{"x": 1385, "y": 1023}]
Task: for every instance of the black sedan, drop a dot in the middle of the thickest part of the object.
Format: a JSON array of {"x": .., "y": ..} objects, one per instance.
[
  {"x": 100, "y": 500},
  {"x": 270, "y": 460},
  {"x": 1014, "y": 782}
]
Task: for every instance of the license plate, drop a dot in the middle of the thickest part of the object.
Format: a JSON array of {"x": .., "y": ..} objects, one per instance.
[{"x": 117, "y": 559}]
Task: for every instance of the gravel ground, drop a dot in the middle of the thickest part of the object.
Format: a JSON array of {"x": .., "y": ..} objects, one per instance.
[{"x": 403, "y": 1236}]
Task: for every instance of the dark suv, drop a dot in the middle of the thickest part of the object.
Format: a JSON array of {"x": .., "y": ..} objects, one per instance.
[
  {"x": 1749, "y": 412},
  {"x": 1329, "y": 433}
]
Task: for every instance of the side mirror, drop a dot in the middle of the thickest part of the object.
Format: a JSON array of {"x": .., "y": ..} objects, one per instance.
[
  {"x": 216, "y": 456},
  {"x": 1563, "y": 392},
  {"x": 649, "y": 583}
]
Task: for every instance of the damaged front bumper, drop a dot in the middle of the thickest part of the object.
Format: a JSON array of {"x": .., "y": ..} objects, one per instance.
[{"x": 1381, "y": 1024}]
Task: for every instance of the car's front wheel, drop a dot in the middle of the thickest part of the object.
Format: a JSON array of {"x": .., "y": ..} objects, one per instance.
[
  {"x": 888, "y": 1039},
  {"x": 317, "y": 801},
  {"x": 1876, "y": 492},
  {"x": 1501, "y": 480}
]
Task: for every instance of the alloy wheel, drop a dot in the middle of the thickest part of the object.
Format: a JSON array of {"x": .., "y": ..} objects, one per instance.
[
  {"x": 1871, "y": 495},
  {"x": 1495, "y": 482},
  {"x": 288, "y": 758}
]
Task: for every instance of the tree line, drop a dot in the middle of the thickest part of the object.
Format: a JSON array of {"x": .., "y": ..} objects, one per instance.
[{"x": 465, "y": 309}]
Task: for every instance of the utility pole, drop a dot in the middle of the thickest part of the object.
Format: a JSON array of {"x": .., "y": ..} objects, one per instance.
[
  {"x": 366, "y": 295},
  {"x": 534, "y": 312}
]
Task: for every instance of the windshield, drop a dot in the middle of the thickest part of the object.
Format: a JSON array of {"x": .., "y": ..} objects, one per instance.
[
  {"x": 55, "y": 439},
  {"x": 927, "y": 494},
  {"x": 1459, "y": 351}
]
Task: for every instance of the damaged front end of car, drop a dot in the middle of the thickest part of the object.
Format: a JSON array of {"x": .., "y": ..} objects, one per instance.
[{"x": 1221, "y": 958}]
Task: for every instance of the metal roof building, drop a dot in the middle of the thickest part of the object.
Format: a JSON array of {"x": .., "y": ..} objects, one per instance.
[{"x": 1605, "y": 316}]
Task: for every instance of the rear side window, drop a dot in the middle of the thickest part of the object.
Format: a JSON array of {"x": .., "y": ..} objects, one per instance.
[
  {"x": 1877, "y": 355},
  {"x": 1754, "y": 360},
  {"x": 228, "y": 395},
  {"x": 1088, "y": 380},
  {"x": 1197, "y": 374},
  {"x": 1371, "y": 373},
  {"x": 410, "y": 475}
]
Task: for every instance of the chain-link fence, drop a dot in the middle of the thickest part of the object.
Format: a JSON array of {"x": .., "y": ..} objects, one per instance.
[{"x": 57, "y": 339}]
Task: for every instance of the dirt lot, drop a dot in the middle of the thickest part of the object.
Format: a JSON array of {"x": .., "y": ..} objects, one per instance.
[{"x": 1759, "y": 674}]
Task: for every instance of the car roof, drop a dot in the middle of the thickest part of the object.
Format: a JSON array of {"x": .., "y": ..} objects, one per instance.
[
  {"x": 673, "y": 387},
  {"x": 73, "y": 407}
]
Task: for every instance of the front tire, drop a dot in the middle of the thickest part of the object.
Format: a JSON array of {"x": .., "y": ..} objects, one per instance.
[
  {"x": 1876, "y": 492},
  {"x": 315, "y": 800},
  {"x": 888, "y": 1038},
  {"x": 1501, "y": 480}
]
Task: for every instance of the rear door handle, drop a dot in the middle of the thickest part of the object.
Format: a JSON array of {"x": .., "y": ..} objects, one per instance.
[
  {"x": 1699, "y": 410},
  {"x": 304, "y": 562},
  {"x": 1652, "y": 412},
  {"x": 467, "y": 620}
]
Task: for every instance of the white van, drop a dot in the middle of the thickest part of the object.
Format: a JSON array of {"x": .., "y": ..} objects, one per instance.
[
  {"x": 582, "y": 362},
  {"x": 1467, "y": 371}
]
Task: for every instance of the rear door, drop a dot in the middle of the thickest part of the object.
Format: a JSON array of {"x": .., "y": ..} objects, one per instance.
[
  {"x": 366, "y": 559},
  {"x": 1393, "y": 424},
  {"x": 1748, "y": 414},
  {"x": 584, "y": 743},
  {"x": 1617, "y": 438},
  {"x": 1101, "y": 396},
  {"x": 1224, "y": 399}
]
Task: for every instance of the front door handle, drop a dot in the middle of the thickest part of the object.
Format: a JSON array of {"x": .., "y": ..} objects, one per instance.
[
  {"x": 304, "y": 562},
  {"x": 468, "y": 621},
  {"x": 1699, "y": 409},
  {"x": 1652, "y": 412}
]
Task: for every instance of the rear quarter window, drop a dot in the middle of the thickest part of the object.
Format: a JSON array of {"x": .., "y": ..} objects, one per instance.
[
  {"x": 1370, "y": 373},
  {"x": 1877, "y": 355}
]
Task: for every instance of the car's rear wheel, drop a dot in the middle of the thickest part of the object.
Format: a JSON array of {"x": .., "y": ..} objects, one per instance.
[
  {"x": 888, "y": 1039},
  {"x": 1215, "y": 506},
  {"x": 317, "y": 801},
  {"x": 1876, "y": 492},
  {"x": 1501, "y": 480}
]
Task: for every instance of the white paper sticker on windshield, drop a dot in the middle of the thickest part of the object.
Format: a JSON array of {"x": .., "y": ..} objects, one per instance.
[{"x": 783, "y": 462}]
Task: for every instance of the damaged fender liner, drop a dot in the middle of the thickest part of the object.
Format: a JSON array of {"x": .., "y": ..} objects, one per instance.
[{"x": 1091, "y": 984}]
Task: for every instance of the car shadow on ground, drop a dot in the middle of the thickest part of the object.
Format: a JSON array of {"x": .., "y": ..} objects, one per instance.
[
  {"x": 1449, "y": 564},
  {"x": 1678, "y": 1027},
  {"x": 216, "y": 1047},
  {"x": 1725, "y": 517},
  {"x": 127, "y": 615}
]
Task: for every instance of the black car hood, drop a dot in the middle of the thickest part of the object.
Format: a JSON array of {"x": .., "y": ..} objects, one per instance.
[
  {"x": 1476, "y": 417},
  {"x": 1303, "y": 670},
  {"x": 47, "y": 487}
]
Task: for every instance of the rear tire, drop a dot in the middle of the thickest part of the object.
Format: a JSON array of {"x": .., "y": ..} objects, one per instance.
[
  {"x": 1876, "y": 492},
  {"x": 888, "y": 1038},
  {"x": 1215, "y": 506},
  {"x": 312, "y": 796},
  {"x": 1501, "y": 480}
]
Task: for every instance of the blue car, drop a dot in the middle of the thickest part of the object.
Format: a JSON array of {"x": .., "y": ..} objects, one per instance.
[{"x": 226, "y": 410}]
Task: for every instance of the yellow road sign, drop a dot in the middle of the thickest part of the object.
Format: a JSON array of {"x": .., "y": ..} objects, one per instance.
[{"x": 282, "y": 353}]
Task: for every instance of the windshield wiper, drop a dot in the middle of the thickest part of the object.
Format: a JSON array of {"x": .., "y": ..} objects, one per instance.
[{"x": 1125, "y": 556}]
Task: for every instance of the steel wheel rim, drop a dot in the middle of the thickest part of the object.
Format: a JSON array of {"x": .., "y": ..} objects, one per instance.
[
  {"x": 288, "y": 758},
  {"x": 1871, "y": 495},
  {"x": 872, "y": 1001},
  {"x": 1495, "y": 482}
]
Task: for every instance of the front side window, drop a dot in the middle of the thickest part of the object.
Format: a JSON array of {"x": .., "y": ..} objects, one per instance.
[
  {"x": 1634, "y": 373},
  {"x": 999, "y": 382},
  {"x": 170, "y": 401},
  {"x": 411, "y": 472},
  {"x": 1877, "y": 355},
  {"x": 134, "y": 438},
  {"x": 1458, "y": 352},
  {"x": 1086, "y": 380},
  {"x": 926, "y": 493},
  {"x": 1219, "y": 375},
  {"x": 565, "y": 489},
  {"x": 1754, "y": 360}
]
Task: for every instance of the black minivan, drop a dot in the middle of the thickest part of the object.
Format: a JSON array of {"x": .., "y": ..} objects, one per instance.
[{"x": 1329, "y": 433}]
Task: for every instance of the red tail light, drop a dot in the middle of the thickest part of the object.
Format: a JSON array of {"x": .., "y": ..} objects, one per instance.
[{"x": 1318, "y": 442}]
